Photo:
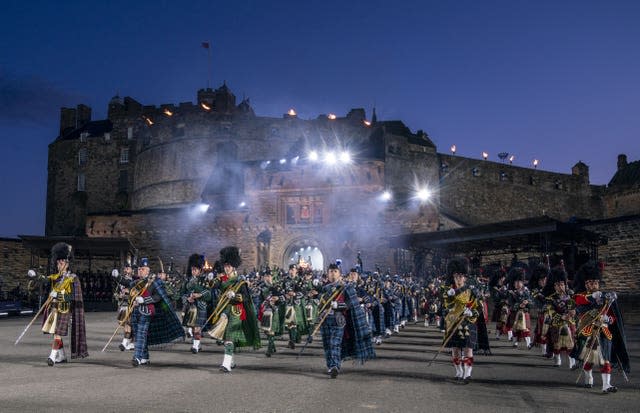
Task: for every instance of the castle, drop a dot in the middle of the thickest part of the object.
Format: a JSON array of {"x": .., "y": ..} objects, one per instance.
[{"x": 195, "y": 177}]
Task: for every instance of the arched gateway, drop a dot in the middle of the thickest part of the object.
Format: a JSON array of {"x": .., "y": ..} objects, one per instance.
[{"x": 304, "y": 249}]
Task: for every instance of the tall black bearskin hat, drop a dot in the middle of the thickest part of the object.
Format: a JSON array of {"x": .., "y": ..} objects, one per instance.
[
  {"x": 558, "y": 274},
  {"x": 60, "y": 251},
  {"x": 516, "y": 274},
  {"x": 588, "y": 271},
  {"x": 457, "y": 265},
  {"x": 196, "y": 260},
  {"x": 538, "y": 272},
  {"x": 231, "y": 256}
]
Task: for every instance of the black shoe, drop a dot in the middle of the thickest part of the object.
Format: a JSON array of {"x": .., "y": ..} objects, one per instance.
[
  {"x": 194, "y": 350},
  {"x": 467, "y": 380},
  {"x": 612, "y": 389},
  {"x": 530, "y": 346},
  {"x": 121, "y": 347},
  {"x": 268, "y": 354},
  {"x": 50, "y": 362},
  {"x": 588, "y": 386},
  {"x": 333, "y": 372},
  {"x": 224, "y": 369},
  {"x": 291, "y": 345}
]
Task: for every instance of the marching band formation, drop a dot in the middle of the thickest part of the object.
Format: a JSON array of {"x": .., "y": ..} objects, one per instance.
[{"x": 532, "y": 307}]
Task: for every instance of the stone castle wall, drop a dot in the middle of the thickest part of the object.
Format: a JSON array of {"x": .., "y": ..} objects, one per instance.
[{"x": 481, "y": 192}]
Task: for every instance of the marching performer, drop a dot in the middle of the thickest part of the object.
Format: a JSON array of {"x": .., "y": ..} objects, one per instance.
[
  {"x": 234, "y": 318},
  {"x": 500, "y": 295},
  {"x": 537, "y": 284},
  {"x": 64, "y": 308},
  {"x": 345, "y": 332},
  {"x": 461, "y": 309},
  {"x": 520, "y": 301},
  {"x": 601, "y": 338},
  {"x": 561, "y": 312},
  {"x": 152, "y": 317},
  {"x": 196, "y": 296},
  {"x": 122, "y": 297},
  {"x": 271, "y": 310}
]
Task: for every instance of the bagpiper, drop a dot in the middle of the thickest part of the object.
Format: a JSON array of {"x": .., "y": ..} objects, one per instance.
[
  {"x": 152, "y": 317},
  {"x": 196, "y": 297},
  {"x": 234, "y": 318},
  {"x": 520, "y": 302},
  {"x": 345, "y": 332},
  {"x": 600, "y": 330},
  {"x": 560, "y": 311},
  {"x": 122, "y": 298}
]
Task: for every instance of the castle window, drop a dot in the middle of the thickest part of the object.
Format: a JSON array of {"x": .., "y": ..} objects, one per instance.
[
  {"x": 124, "y": 155},
  {"x": 82, "y": 156},
  {"x": 84, "y": 136},
  {"x": 444, "y": 168},
  {"x": 503, "y": 176},
  {"x": 107, "y": 136},
  {"x": 475, "y": 172},
  {"x": 81, "y": 181},
  {"x": 532, "y": 180},
  {"x": 557, "y": 184},
  {"x": 123, "y": 181},
  {"x": 130, "y": 132}
]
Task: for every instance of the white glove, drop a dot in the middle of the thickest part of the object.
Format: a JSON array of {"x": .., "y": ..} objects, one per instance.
[
  {"x": 605, "y": 319},
  {"x": 139, "y": 300},
  {"x": 597, "y": 295},
  {"x": 53, "y": 294},
  {"x": 334, "y": 304},
  {"x": 315, "y": 282},
  {"x": 231, "y": 295},
  {"x": 611, "y": 296},
  {"x": 210, "y": 276},
  {"x": 451, "y": 292},
  {"x": 31, "y": 273},
  {"x": 467, "y": 312},
  {"x": 115, "y": 273}
]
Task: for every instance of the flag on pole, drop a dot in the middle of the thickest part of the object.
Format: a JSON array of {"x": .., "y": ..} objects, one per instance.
[{"x": 205, "y": 45}]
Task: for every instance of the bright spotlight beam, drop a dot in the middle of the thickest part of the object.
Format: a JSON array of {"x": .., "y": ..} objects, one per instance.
[
  {"x": 345, "y": 157},
  {"x": 423, "y": 194}
]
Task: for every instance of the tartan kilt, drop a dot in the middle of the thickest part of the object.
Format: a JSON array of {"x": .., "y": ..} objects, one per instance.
[
  {"x": 62, "y": 321},
  {"x": 465, "y": 337},
  {"x": 62, "y": 326},
  {"x": 234, "y": 331}
]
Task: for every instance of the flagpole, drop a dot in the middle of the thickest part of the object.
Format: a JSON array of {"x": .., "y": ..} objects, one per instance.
[{"x": 210, "y": 63}]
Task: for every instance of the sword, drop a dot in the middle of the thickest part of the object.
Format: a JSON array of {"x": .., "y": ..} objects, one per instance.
[{"x": 46, "y": 304}]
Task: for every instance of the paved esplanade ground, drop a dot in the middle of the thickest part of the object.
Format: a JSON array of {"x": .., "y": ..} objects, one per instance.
[{"x": 398, "y": 381}]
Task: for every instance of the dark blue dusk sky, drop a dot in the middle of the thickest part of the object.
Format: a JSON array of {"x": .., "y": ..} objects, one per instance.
[{"x": 553, "y": 80}]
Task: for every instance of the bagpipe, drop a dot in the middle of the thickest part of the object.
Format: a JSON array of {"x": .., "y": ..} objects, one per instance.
[
  {"x": 591, "y": 324},
  {"x": 216, "y": 319},
  {"x": 137, "y": 290},
  {"x": 325, "y": 309}
]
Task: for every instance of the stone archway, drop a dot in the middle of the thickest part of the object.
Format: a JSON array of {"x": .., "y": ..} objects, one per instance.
[{"x": 307, "y": 249}]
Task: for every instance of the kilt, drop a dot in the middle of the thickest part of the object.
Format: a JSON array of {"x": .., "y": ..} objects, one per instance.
[{"x": 466, "y": 336}]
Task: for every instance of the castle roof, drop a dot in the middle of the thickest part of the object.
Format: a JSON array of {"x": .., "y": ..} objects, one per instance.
[
  {"x": 626, "y": 177},
  {"x": 396, "y": 127},
  {"x": 93, "y": 128}
]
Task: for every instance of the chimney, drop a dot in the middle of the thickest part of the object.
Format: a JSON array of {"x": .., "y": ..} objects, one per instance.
[
  {"x": 83, "y": 113},
  {"x": 67, "y": 120},
  {"x": 622, "y": 161}
]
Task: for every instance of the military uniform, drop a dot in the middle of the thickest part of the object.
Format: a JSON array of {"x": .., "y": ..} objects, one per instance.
[{"x": 65, "y": 309}]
